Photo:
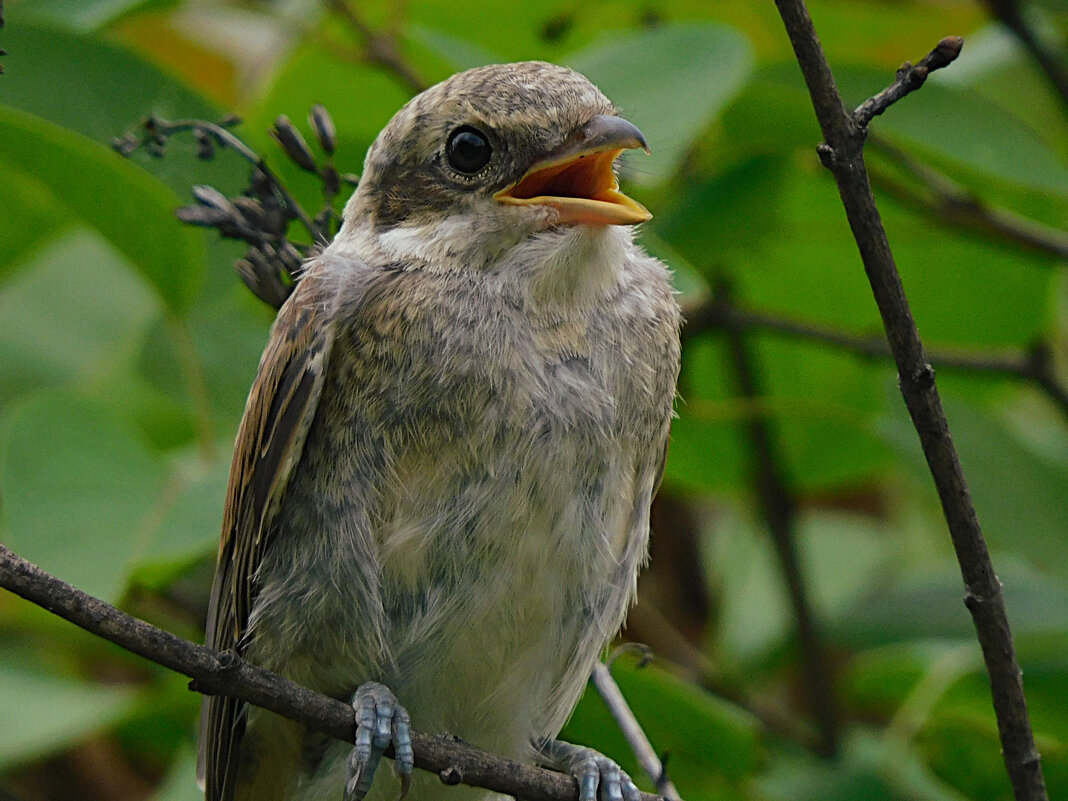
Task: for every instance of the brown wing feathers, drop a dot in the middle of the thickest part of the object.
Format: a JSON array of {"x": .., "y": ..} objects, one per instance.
[{"x": 277, "y": 417}]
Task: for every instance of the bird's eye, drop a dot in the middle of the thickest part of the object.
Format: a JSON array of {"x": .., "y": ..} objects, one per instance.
[{"x": 468, "y": 150}]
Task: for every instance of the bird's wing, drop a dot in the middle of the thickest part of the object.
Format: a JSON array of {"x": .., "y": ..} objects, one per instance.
[{"x": 279, "y": 412}]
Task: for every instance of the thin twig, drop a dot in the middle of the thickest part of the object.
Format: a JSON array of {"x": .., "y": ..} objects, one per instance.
[
  {"x": 843, "y": 154},
  {"x": 632, "y": 731},
  {"x": 225, "y": 673},
  {"x": 1010, "y": 14},
  {"x": 1035, "y": 365},
  {"x": 910, "y": 77},
  {"x": 379, "y": 48},
  {"x": 778, "y": 507}
]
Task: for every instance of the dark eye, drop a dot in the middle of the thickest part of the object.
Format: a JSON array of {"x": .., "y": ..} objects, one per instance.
[{"x": 468, "y": 150}]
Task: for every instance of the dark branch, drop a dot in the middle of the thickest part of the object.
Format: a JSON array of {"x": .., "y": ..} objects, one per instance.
[
  {"x": 844, "y": 156},
  {"x": 778, "y": 508},
  {"x": 215, "y": 673},
  {"x": 909, "y": 78}
]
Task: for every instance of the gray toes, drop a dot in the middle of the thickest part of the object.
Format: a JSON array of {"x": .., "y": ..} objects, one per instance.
[{"x": 380, "y": 720}]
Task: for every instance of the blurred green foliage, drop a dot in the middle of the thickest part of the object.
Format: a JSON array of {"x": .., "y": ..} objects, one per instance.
[{"x": 127, "y": 345}]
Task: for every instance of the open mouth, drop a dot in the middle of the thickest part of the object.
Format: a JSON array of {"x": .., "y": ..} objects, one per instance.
[{"x": 582, "y": 187}]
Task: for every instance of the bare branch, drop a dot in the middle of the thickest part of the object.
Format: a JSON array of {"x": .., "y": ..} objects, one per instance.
[
  {"x": 843, "y": 155},
  {"x": 215, "y": 673}
]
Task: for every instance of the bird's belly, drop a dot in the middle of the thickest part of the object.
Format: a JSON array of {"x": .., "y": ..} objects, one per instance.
[
  {"x": 476, "y": 566},
  {"x": 501, "y": 587}
]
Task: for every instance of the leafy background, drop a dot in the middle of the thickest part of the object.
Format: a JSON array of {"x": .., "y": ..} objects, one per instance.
[{"x": 127, "y": 345}]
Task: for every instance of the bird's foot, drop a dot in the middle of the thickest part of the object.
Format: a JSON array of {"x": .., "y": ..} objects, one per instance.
[
  {"x": 598, "y": 777},
  {"x": 380, "y": 720}
]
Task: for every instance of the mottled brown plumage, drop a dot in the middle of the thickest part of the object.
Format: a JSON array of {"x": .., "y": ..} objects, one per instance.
[{"x": 443, "y": 476}]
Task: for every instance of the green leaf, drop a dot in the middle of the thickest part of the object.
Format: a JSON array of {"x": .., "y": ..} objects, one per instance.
[
  {"x": 671, "y": 82},
  {"x": 690, "y": 723},
  {"x": 999, "y": 67},
  {"x": 91, "y": 86},
  {"x": 460, "y": 54},
  {"x": 964, "y": 750},
  {"x": 79, "y": 489},
  {"x": 807, "y": 265},
  {"x": 1019, "y": 491},
  {"x": 829, "y": 539},
  {"x": 707, "y": 449},
  {"x": 166, "y": 422},
  {"x": 72, "y": 315},
  {"x": 869, "y": 768},
  {"x": 878, "y": 680},
  {"x": 190, "y": 525},
  {"x": 819, "y": 405},
  {"x": 754, "y": 610},
  {"x": 30, "y": 217},
  {"x": 736, "y": 210},
  {"x": 514, "y": 30},
  {"x": 93, "y": 186},
  {"x": 108, "y": 90},
  {"x": 960, "y": 738},
  {"x": 81, "y": 15},
  {"x": 44, "y": 712}
]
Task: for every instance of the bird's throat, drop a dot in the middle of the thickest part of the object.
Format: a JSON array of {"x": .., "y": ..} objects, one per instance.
[{"x": 569, "y": 269}]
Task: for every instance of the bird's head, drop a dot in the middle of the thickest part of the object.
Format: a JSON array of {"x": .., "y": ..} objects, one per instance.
[{"x": 491, "y": 157}]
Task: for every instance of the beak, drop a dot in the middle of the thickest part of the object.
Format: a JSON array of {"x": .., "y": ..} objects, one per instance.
[{"x": 577, "y": 179}]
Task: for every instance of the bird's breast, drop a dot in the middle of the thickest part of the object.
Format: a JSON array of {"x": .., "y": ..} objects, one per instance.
[{"x": 474, "y": 494}]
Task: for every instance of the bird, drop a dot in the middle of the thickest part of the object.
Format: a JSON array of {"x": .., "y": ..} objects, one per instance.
[{"x": 438, "y": 503}]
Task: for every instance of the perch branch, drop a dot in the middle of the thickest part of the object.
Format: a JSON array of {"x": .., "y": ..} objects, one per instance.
[
  {"x": 225, "y": 673},
  {"x": 910, "y": 77},
  {"x": 843, "y": 154}
]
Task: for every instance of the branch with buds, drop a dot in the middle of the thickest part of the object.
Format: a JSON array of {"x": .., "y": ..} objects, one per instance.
[{"x": 261, "y": 215}]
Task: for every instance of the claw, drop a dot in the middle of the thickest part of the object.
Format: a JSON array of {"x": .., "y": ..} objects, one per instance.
[
  {"x": 598, "y": 777},
  {"x": 380, "y": 720}
]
